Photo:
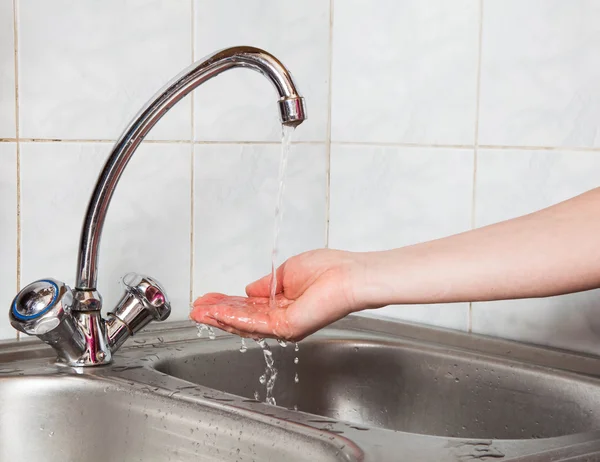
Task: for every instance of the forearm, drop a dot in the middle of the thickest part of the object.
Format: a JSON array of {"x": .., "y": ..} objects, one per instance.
[{"x": 550, "y": 252}]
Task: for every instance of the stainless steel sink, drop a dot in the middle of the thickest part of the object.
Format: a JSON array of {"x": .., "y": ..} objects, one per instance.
[
  {"x": 53, "y": 415},
  {"x": 399, "y": 386},
  {"x": 369, "y": 390}
]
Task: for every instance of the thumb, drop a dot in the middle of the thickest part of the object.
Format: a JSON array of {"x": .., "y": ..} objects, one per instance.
[
  {"x": 317, "y": 307},
  {"x": 262, "y": 287}
]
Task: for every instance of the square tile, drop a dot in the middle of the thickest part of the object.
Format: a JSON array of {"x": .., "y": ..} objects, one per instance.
[
  {"x": 147, "y": 228},
  {"x": 405, "y": 71},
  {"x": 511, "y": 183},
  {"x": 7, "y": 71},
  {"x": 389, "y": 197},
  {"x": 8, "y": 233},
  {"x": 88, "y": 71},
  {"x": 235, "y": 196},
  {"x": 514, "y": 183},
  {"x": 539, "y": 73},
  {"x": 241, "y": 105}
]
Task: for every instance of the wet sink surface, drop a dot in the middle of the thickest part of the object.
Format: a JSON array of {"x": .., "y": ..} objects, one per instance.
[
  {"x": 68, "y": 418},
  {"x": 370, "y": 391},
  {"x": 399, "y": 387}
]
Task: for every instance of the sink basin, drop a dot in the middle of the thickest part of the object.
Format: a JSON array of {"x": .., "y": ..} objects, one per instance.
[
  {"x": 370, "y": 391},
  {"x": 402, "y": 386},
  {"x": 71, "y": 418}
]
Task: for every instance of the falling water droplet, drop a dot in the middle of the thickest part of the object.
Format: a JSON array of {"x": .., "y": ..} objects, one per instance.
[
  {"x": 243, "y": 347},
  {"x": 201, "y": 329},
  {"x": 296, "y": 360},
  {"x": 296, "y": 347},
  {"x": 256, "y": 396},
  {"x": 296, "y": 378},
  {"x": 270, "y": 374},
  {"x": 211, "y": 333},
  {"x": 262, "y": 379}
]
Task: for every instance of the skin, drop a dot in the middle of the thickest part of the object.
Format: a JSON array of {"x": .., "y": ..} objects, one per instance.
[{"x": 550, "y": 252}]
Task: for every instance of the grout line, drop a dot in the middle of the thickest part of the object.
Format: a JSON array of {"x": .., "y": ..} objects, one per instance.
[
  {"x": 478, "y": 82},
  {"x": 476, "y": 128},
  {"x": 476, "y": 138},
  {"x": 18, "y": 149},
  {"x": 192, "y": 172},
  {"x": 57, "y": 140},
  {"x": 538, "y": 148},
  {"x": 278, "y": 143},
  {"x": 328, "y": 141},
  {"x": 69, "y": 140},
  {"x": 187, "y": 141},
  {"x": 405, "y": 145},
  {"x": 337, "y": 143}
]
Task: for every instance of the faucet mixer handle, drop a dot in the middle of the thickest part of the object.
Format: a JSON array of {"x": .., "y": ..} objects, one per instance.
[
  {"x": 144, "y": 301},
  {"x": 44, "y": 308}
]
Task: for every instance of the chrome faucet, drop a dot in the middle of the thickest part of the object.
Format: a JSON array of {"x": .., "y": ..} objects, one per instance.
[{"x": 70, "y": 320}]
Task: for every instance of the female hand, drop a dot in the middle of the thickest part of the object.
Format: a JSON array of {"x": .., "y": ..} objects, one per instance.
[{"x": 313, "y": 290}]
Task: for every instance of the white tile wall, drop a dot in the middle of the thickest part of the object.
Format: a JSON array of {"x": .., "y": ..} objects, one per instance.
[
  {"x": 86, "y": 72},
  {"x": 241, "y": 105},
  {"x": 8, "y": 234},
  {"x": 147, "y": 227},
  {"x": 405, "y": 71},
  {"x": 540, "y": 72},
  {"x": 512, "y": 183},
  {"x": 416, "y": 88},
  {"x": 235, "y": 191},
  {"x": 387, "y": 197},
  {"x": 7, "y": 71}
]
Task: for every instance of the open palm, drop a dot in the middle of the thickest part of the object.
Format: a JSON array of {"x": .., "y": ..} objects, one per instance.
[{"x": 313, "y": 290}]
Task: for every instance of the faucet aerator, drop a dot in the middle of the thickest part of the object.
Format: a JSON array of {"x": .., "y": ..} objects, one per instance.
[{"x": 292, "y": 111}]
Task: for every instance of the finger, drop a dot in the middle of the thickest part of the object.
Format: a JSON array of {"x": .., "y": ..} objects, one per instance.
[
  {"x": 253, "y": 316},
  {"x": 249, "y": 323},
  {"x": 262, "y": 287},
  {"x": 213, "y": 298},
  {"x": 199, "y": 315},
  {"x": 202, "y": 316},
  {"x": 231, "y": 330},
  {"x": 316, "y": 308},
  {"x": 208, "y": 321},
  {"x": 256, "y": 319}
]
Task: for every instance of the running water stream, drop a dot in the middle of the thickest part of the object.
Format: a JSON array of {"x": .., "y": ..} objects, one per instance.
[
  {"x": 286, "y": 139},
  {"x": 270, "y": 375}
]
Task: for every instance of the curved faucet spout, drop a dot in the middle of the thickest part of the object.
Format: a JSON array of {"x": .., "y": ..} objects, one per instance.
[{"x": 291, "y": 109}]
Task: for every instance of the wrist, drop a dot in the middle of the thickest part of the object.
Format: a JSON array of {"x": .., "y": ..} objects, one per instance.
[{"x": 362, "y": 281}]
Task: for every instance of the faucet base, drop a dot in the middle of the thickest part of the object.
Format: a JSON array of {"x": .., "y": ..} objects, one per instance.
[{"x": 96, "y": 350}]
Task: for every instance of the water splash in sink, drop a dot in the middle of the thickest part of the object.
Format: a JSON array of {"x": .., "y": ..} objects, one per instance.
[
  {"x": 208, "y": 329},
  {"x": 243, "y": 347},
  {"x": 270, "y": 376}
]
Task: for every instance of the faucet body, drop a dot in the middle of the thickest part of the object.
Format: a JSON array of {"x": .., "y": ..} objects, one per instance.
[{"x": 70, "y": 320}]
